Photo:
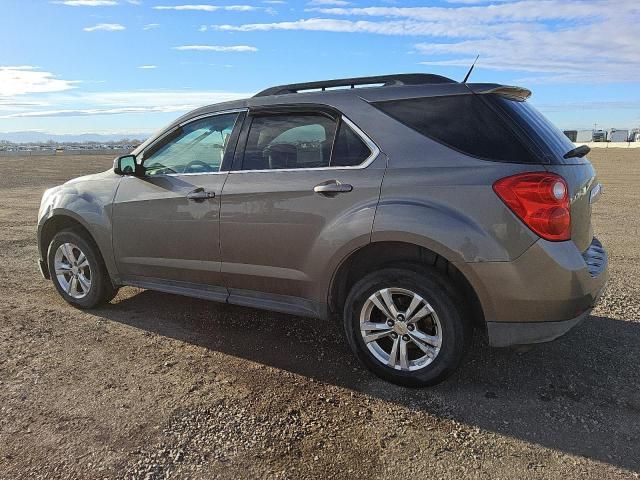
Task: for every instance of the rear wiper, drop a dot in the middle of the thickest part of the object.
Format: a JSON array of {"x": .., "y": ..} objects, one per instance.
[{"x": 580, "y": 151}]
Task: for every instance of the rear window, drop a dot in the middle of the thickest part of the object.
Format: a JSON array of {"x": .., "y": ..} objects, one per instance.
[
  {"x": 486, "y": 126},
  {"x": 550, "y": 141}
]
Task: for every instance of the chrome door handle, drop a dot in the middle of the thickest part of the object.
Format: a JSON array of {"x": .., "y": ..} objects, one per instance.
[
  {"x": 332, "y": 187},
  {"x": 200, "y": 194}
]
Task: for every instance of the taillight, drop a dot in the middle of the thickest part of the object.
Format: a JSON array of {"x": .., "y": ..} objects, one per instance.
[{"x": 540, "y": 200}]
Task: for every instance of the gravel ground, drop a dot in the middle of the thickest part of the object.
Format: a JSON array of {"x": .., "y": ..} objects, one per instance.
[{"x": 161, "y": 386}]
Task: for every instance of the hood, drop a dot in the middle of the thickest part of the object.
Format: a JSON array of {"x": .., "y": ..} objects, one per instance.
[{"x": 92, "y": 177}]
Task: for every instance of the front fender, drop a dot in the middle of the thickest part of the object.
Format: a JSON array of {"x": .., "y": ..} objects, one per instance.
[{"x": 87, "y": 203}]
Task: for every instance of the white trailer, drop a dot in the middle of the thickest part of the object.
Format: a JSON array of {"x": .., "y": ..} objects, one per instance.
[
  {"x": 616, "y": 135},
  {"x": 584, "y": 136}
]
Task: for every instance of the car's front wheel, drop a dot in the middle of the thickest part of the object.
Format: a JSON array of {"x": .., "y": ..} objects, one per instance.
[
  {"x": 77, "y": 270},
  {"x": 406, "y": 326}
]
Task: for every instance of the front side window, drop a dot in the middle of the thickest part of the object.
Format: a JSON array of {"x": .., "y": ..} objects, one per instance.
[
  {"x": 296, "y": 141},
  {"x": 197, "y": 147}
]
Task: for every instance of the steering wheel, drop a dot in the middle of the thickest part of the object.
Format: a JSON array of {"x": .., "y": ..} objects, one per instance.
[{"x": 198, "y": 163}]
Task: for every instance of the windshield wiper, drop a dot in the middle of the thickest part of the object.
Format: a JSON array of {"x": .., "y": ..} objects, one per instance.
[{"x": 580, "y": 151}]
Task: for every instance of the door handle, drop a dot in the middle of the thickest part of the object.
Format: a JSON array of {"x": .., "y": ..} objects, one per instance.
[
  {"x": 200, "y": 194},
  {"x": 332, "y": 187}
]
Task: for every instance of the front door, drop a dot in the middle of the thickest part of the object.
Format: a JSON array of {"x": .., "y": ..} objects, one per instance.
[
  {"x": 304, "y": 185},
  {"x": 166, "y": 222}
]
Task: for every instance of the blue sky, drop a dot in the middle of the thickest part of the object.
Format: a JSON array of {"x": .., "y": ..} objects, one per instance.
[{"x": 130, "y": 66}]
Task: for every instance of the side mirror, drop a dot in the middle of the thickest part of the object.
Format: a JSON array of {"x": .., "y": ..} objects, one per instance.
[{"x": 125, "y": 165}]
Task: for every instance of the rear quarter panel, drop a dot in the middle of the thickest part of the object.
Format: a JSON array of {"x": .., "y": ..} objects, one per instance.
[{"x": 452, "y": 210}]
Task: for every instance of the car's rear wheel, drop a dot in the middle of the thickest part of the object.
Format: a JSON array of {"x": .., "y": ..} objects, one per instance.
[
  {"x": 405, "y": 325},
  {"x": 77, "y": 270}
]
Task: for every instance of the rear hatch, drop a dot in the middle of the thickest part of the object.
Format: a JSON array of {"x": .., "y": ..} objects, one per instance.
[{"x": 550, "y": 145}]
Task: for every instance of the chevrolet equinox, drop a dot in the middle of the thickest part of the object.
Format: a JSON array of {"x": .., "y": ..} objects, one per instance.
[{"x": 415, "y": 208}]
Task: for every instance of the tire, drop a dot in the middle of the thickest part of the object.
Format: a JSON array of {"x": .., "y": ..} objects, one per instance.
[
  {"x": 99, "y": 288},
  {"x": 425, "y": 363}
]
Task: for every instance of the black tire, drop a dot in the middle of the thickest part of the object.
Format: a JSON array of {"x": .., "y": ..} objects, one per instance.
[
  {"x": 438, "y": 291},
  {"x": 101, "y": 289}
]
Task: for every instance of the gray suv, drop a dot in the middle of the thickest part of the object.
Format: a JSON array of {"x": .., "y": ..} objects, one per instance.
[{"x": 415, "y": 208}]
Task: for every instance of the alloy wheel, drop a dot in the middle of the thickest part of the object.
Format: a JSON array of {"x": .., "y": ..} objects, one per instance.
[
  {"x": 72, "y": 270},
  {"x": 400, "y": 329}
]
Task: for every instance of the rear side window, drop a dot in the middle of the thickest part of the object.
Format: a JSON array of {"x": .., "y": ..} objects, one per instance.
[
  {"x": 349, "y": 149},
  {"x": 545, "y": 136},
  {"x": 466, "y": 123},
  {"x": 297, "y": 141},
  {"x": 289, "y": 141}
]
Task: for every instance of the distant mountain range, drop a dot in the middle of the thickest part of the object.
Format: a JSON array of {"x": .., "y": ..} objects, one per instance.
[{"x": 43, "y": 137}]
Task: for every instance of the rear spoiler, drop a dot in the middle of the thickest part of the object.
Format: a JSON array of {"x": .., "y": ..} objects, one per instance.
[{"x": 512, "y": 93}]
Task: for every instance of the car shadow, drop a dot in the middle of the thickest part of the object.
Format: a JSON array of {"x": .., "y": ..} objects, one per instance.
[{"x": 579, "y": 394}]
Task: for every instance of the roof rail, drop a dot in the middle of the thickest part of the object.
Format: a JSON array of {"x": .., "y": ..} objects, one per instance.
[{"x": 385, "y": 80}]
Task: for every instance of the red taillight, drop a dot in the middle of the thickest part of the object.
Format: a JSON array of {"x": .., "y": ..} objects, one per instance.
[{"x": 540, "y": 200}]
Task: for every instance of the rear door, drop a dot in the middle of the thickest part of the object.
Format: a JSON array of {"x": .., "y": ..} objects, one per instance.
[
  {"x": 166, "y": 222},
  {"x": 304, "y": 184}
]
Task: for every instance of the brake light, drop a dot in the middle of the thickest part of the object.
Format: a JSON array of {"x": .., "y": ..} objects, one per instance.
[{"x": 540, "y": 200}]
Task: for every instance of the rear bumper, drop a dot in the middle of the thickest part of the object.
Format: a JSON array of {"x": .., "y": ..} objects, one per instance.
[
  {"x": 542, "y": 294},
  {"x": 503, "y": 334}
]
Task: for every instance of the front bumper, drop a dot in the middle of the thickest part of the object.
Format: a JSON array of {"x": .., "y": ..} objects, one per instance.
[{"x": 542, "y": 294}]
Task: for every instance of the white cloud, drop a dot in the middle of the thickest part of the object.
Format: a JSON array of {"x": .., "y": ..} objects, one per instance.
[
  {"x": 25, "y": 79},
  {"x": 524, "y": 10},
  {"x": 217, "y": 48},
  {"x": 593, "y": 41},
  {"x": 87, "y": 3},
  {"x": 151, "y": 26},
  {"x": 207, "y": 8},
  {"x": 105, "y": 27},
  {"x": 148, "y": 67},
  {"x": 394, "y": 27},
  {"x": 120, "y": 103},
  {"x": 336, "y": 3}
]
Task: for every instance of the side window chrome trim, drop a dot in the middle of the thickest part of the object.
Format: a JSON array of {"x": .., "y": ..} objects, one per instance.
[
  {"x": 373, "y": 148},
  {"x": 190, "y": 120}
]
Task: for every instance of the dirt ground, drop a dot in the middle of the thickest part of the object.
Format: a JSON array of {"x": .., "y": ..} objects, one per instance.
[{"x": 161, "y": 386}]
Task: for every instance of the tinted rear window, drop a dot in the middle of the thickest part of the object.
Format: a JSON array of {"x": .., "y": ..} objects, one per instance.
[
  {"x": 550, "y": 142},
  {"x": 466, "y": 123}
]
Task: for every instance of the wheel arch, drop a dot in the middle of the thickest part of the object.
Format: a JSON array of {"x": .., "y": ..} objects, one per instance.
[
  {"x": 64, "y": 221},
  {"x": 376, "y": 255}
]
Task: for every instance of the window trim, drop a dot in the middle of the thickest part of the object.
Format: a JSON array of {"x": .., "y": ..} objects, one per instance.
[
  {"x": 182, "y": 124},
  {"x": 373, "y": 149}
]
